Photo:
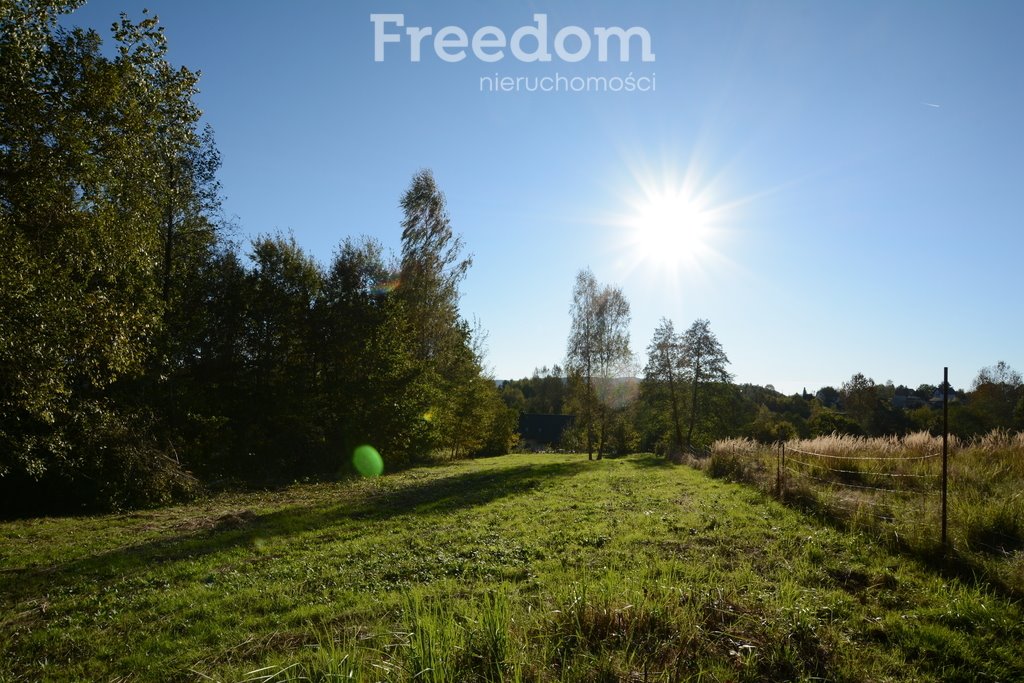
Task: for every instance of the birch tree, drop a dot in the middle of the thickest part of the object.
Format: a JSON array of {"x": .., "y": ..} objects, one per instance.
[{"x": 598, "y": 355}]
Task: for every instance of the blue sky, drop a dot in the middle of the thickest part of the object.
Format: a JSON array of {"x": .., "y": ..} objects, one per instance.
[{"x": 852, "y": 172}]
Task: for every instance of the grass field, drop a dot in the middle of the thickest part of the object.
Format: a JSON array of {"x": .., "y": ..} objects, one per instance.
[{"x": 525, "y": 567}]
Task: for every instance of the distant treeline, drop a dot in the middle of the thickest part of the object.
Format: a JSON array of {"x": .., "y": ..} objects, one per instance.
[
  {"x": 143, "y": 354},
  {"x": 859, "y": 407}
]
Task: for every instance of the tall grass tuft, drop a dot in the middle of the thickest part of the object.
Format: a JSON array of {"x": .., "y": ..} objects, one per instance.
[{"x": 436, "y": 641}]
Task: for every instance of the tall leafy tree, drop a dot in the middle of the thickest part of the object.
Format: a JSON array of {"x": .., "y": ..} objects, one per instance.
[
  {"x": 704, "y": 362},
  {"x": 80, "y": 186},
  {"x": 598, "y": 357},
  {"x": 581, "y": 354},
  {"x": 284, "y": 287},
  {"x": 998, "y": 391},
  {"x": 432, "y": 269},
  {"x": 211, "y": 393},
  {"x": 869, "y": 405},
  {"x": 464, "y": 400},
  {"x": 663, "y": 377},
  {"x": 375, "y": 388}
]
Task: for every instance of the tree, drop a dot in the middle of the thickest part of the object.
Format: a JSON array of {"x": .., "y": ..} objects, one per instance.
[
  {"x": 80, "y": 285},
  {"x": 282, "y": 385},
  {"x": 999, "y": 374},
  {"x": 211, "y": 394},
  {"x": 465, "y": 403},
  {"x": 598, "y": 357},
  {"x": 704, "y": 362},
  {"x": 829, "y": 397},
  {"x": 662, "y": 375},
  {"x": 860, "y": 399},
  {"x": 375, "y": 389},
  {"x": 870, "y": 406},
  {"x": 543, "y": 393},
  {"x": 432, "y": 268},
  {"x": 825, "y": 421},
  {"x": 770, "y": 427},
  {"x": 996, "y": 392}
]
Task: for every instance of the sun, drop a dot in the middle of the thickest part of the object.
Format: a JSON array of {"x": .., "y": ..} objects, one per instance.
[
  {"x": 670, "y": 225},
  {"x": 668, "y": 229}
]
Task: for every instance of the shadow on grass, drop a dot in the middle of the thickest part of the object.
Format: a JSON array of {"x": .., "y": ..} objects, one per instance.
[
  {"x": 651, "y": 461},
  {"x": 949, "y": 563},
  {"x": 436, "y": 496}
]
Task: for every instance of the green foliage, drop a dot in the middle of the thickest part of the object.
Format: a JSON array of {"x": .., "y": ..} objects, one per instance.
[
  {"x": 84, "y": 143},
  {"x": 431, "y": 270},
  {"x": 769, "y": 427},
  {"x": 994, "y": 402},
  {"x": 623, "y": 437},
  {"x": 925, "y": 419},
  {"x": 869, "y": 405},
  {"x": 136, "y": 345},
  {"x": 598, "y": 357},
  {"x": 662, "y": 389},
  {"x": 465, "y": 409},
  {"x": 825, "y": 421},
  {"x": 543, "y": 393},
  {"x": 704, "y": 361},
  {"x": 503, "y": 435}
]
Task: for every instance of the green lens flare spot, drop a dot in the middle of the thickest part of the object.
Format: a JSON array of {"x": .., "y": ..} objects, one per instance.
[{"x": 368, "y": 462}]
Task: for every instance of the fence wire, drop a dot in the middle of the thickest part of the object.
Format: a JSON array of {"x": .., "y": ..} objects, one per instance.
[
  {"x": 863, "y": 487},
  {"x": 874, "y": 501},
  {"x": 864, "y": 472},
  {"x": 899, "y": 458}
]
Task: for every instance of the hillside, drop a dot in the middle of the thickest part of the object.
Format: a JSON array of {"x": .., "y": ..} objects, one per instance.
[{"x": 537, "y": 568}]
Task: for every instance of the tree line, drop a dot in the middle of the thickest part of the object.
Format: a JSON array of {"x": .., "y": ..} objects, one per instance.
[
  {"x": 685, "y": 397},
  {"x": 144, "y": 354}
]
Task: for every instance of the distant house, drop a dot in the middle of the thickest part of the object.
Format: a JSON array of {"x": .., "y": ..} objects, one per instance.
[
  {"x": 543, "y": 431},
  {"x": 936, "y": 400},
  {"x": 910, "y": 402}
]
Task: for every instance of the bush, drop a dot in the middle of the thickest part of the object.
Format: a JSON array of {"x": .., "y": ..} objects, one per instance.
[{"x": 113, "y": 466}]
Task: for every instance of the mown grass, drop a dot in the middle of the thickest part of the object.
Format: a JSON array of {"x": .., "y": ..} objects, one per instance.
[
  {"x": 891, "y": 487},
  {"x": 520, "y": 568}
]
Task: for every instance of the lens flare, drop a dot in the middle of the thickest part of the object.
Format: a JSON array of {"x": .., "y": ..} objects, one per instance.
[
  {"x": 367, "y": 461},
  {"x": 386, "y": 287}
]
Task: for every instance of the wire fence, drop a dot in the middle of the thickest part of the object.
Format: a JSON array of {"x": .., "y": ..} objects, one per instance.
[
  {"x": 900, "y": 490},
  {"x": 874, "y": 482}
]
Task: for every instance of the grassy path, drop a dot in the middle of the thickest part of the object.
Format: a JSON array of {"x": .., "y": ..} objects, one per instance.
[{"x": 542, "y": 567}]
